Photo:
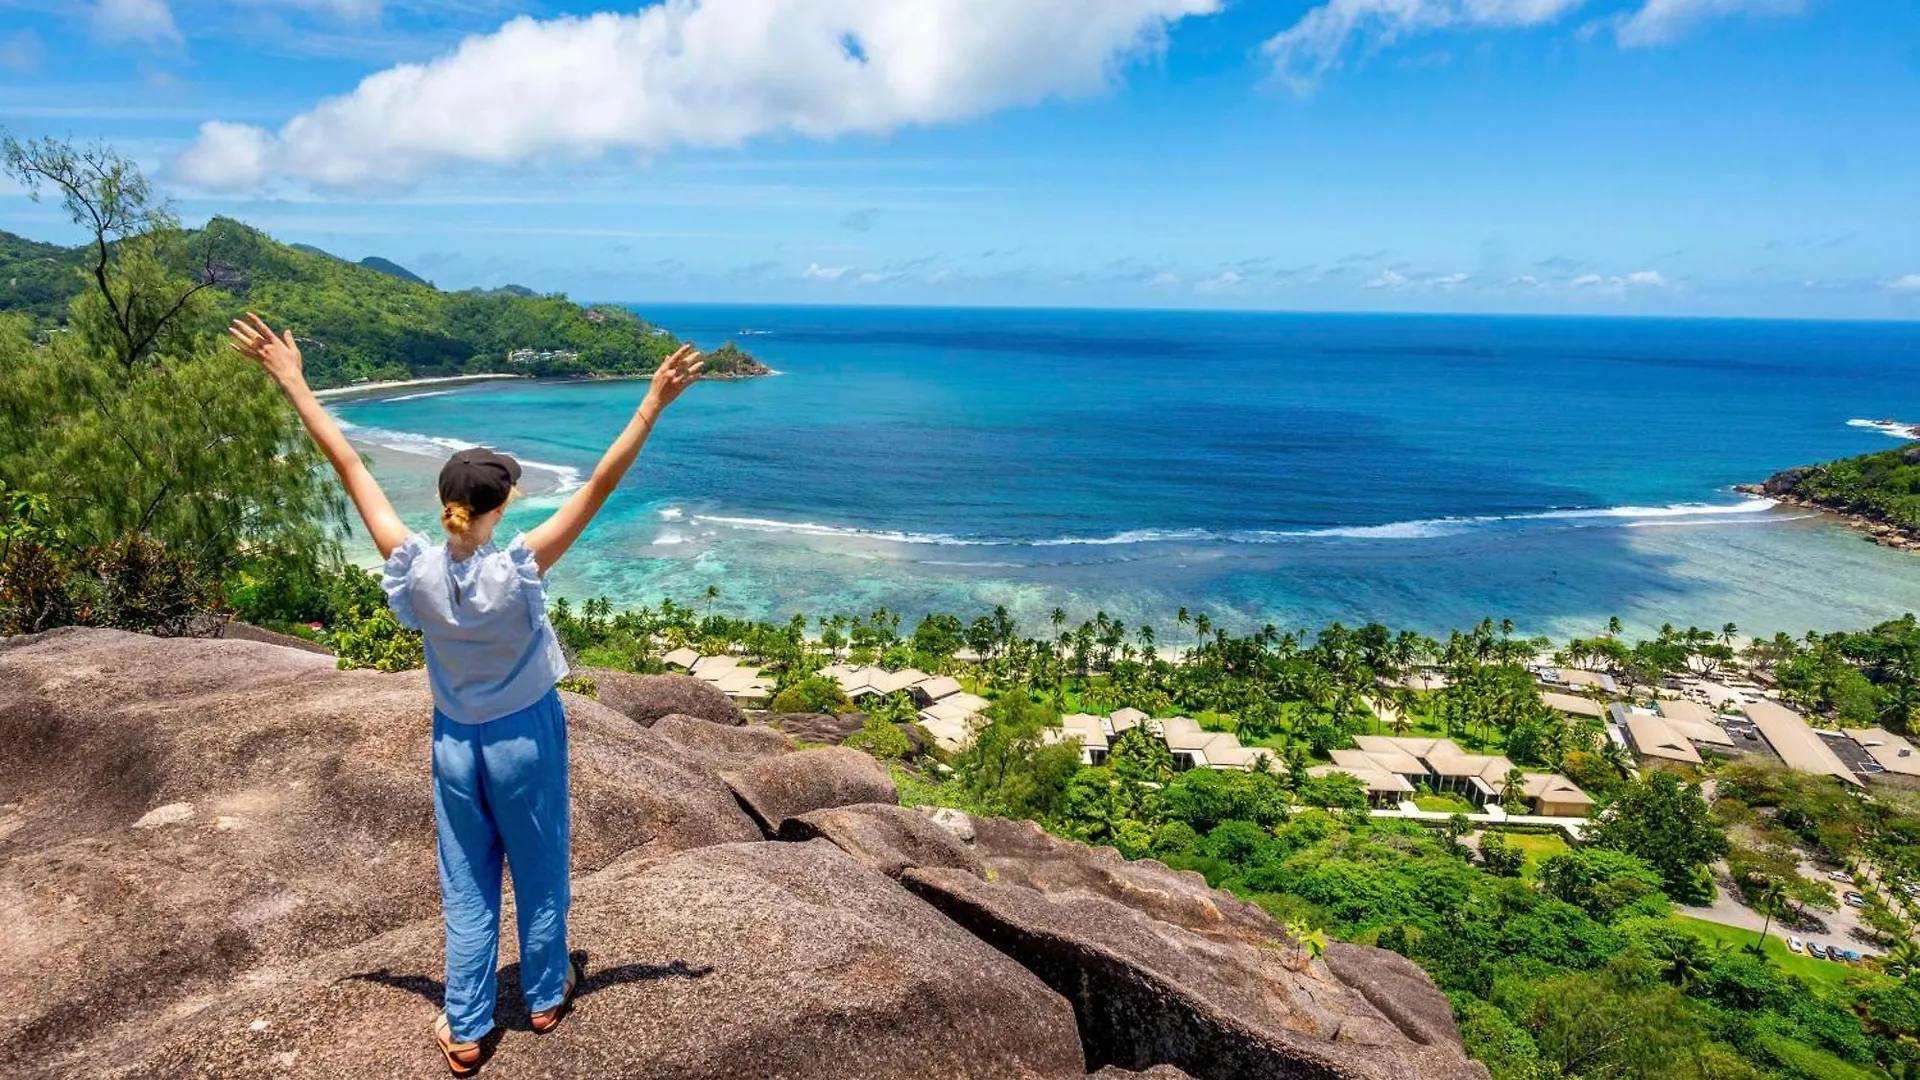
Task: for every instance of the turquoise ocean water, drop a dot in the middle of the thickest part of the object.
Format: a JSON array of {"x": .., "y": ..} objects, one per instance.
[{"x": 1294, "y": 469}]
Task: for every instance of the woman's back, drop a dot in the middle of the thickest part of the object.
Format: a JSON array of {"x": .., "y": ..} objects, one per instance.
[{"x": 490, "y": 649}]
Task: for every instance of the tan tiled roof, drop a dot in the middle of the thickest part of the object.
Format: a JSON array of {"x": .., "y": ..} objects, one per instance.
[
  {"x": 1653, "y": 736},
  {"x": 1795, "y": 741},
  {"x": 1573, "y": 704},
  {"x": 1894, "y": 754}
]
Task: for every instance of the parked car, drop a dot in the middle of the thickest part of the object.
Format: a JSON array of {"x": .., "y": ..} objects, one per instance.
[
  {"x": 1796, "y": 944},
  {"x": 1834, "y": 954},
  {"x": 1853, "y": 899},
  {"x": 1853, "y": 956},
  {"x": 1750, "y": 736},
  {"x": 1910, "y": 888},
  {"x": 1816, "y": 950},
  {"x": 1840, "y": 876}
]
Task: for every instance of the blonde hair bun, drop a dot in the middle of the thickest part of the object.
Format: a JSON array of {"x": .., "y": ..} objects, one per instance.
[{"x": 456, "y": 518}]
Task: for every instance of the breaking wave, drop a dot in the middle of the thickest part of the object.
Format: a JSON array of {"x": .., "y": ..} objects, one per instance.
[{"x": 1628, "y": 516}]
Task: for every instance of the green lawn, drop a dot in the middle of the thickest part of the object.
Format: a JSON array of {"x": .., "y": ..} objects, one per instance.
[
  {"x": 1539, "y": 848},
  {"x": 1444, "y": 804},
  {"x": 1776, "y": 950}
]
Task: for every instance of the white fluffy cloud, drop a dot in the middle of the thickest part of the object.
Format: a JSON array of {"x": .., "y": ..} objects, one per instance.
[
  {"x": 1618, "y": 283},
  {"x": 1304, "y": 52},
  {"x": 816, "y": 272},
  {"x": 683, "y": 74},
  {"x": 1660, "y": 21},
  {"x": 1906, "y": 283},
  {"x": 133, "y": 20}
]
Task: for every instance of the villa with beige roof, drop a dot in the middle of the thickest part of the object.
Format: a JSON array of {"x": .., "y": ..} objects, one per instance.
[{"x": 1391, "y": 768}]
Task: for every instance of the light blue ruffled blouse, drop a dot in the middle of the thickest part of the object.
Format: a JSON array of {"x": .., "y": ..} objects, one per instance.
[{"x": 490, "y": 649}]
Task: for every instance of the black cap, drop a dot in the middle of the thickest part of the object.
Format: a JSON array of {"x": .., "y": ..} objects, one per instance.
[{"x": 479, "y": 478}]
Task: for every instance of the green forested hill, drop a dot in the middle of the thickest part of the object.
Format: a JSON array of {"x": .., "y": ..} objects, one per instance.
[
  {"x": 358, "y": 322},
  {"x": 38, "y": 279}
]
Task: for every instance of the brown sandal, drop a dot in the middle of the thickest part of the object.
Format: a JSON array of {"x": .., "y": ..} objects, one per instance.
[
  {"x": 547, "y": 1019},
  {"x": 463, "y": 1059}
]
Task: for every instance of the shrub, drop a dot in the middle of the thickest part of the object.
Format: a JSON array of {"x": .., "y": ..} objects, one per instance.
[
  {"x": 580, "y": 684},
  {"x": 1499, "y": 857},
  {"x": 1175, "y": 838},
  {"x": 813, "y": 694},
  {"x": 375, "y": 639},
  {"x": 881, "y": 739},
  {"x": 134, "y": 583}
]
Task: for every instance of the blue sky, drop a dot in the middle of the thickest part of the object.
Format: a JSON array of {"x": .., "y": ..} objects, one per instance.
[{"x": 1713, "y": 157}]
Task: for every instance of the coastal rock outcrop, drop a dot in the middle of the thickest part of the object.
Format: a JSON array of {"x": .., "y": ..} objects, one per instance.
[
  {"x": 742, "y": 962},
  {"x": 775, "y": 789},
  {"x": 721, "y": 746},
  {"x": 1148, "y": 992},
  {"x": 824, "y": 728},
  {"x": 891, "y": 839},
  {"x": 646, "y": 698},
  {"x": 216, "y": 860},
  {"x": 300, "y": 820}
]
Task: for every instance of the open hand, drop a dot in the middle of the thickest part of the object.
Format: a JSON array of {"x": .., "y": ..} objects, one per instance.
[
  {"x": 674, "y": 375},
  {"x": 277, "y": 356}
]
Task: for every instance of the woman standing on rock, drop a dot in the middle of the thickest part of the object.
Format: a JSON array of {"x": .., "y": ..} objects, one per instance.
[{"x": 499, "y": 735}]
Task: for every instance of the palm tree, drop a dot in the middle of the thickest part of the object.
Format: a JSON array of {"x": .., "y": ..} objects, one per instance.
[
  {"x": 1768, "y": 899},
  {"x": 1201, "y": 624},
  {"x": 1906, "y": 953},
  {"x": 1683, "y": 960},
  {"x": 1613, "y": 626},
  {"x": 1728, "y": 633},
  {"x": 713, "y": 593},
  {"x": 1617, "y": 756}
]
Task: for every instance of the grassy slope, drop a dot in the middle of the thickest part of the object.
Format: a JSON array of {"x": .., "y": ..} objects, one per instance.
[{"x": 1824, "y": 971}]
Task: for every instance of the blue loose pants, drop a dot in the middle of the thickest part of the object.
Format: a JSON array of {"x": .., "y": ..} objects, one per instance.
[{"x": 500, "y": 793}]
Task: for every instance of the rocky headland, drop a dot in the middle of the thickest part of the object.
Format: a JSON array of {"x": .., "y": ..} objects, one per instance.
[
  {"x": 216, "y": 860},
  {"x": 1855, "y": 491}
]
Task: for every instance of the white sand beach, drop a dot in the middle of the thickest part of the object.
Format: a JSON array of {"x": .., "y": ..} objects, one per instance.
[{"x": 368, "y": 389}]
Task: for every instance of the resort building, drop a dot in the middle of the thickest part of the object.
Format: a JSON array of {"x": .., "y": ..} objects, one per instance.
[
  {"x": 953, "y": 719},
  {"x": 1699, "y": 724},
  {"x": 1797, "y": 743},
  {"x": 1191, "y": 747},
  {"x": 1574, "y": 679},
  {"x": 1090, "y": 732},
  {"x": 748, "y": 688},
  {"x": 1573, "y": 704},
  {"x": 1891, "y": 752},
  {"x": 1652, "y": 737},
  {"x": 1391, "y": 768},
  {"x": 1553, "y": 795},
  {"x": 1383, "y": 789}
]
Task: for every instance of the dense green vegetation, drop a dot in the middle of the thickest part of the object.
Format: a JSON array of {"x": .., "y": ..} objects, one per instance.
[
  {"x": 151, "y": 480},
  {"x": 1883, "y": 487}
]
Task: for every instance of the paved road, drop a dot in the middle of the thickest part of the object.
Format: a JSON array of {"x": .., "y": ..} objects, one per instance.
[{"x": 1841, "y": 924}]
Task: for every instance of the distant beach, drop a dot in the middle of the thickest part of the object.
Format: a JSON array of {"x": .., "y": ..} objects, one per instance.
[{"x": 377, "y": 389}]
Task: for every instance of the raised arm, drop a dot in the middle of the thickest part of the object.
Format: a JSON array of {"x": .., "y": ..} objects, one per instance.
[
  {"x": 280, "y": 358},
  {"x": 550, "y": 539}
]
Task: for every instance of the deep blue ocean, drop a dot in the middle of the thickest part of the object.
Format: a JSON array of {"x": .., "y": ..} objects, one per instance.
[{"x": 1285, "y": 468}]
